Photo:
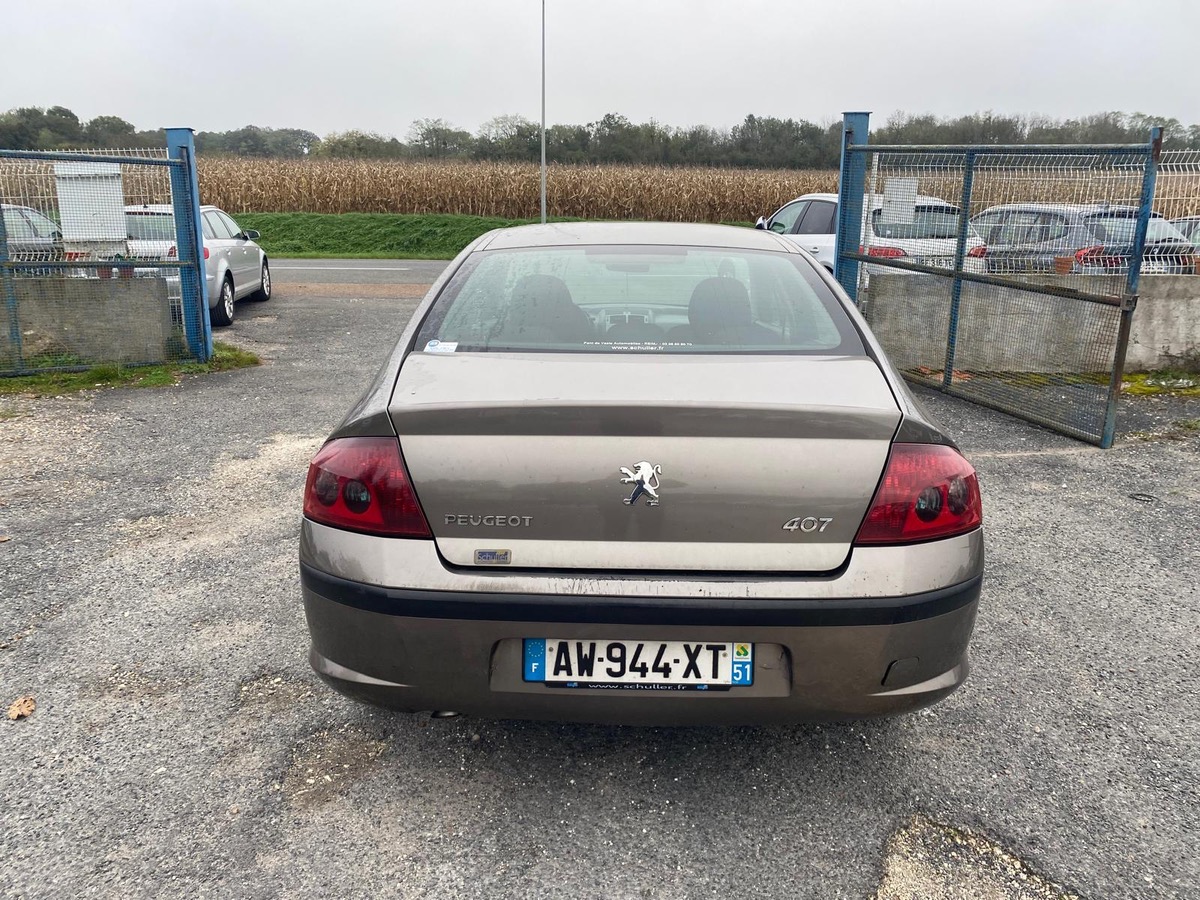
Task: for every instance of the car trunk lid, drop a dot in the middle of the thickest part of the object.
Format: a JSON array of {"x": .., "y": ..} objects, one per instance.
[{"x": 713, "y": 463}]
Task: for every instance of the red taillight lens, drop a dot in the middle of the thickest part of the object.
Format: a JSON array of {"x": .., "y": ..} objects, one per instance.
[
  {"x": 1095, "y": 256},
  {"x": 206, "y": 253},
  {"x": 173, "y": 252},
  {"x": 360, "y": 484},
  {"x": 884, "y": 252},
  {"x": 977, "y": 252},
  {"x": 928, "y": 491}
]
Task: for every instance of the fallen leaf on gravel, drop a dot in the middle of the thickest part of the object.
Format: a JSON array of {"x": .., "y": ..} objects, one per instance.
[
  {"x": 22, "y": 707},
  {"x": 4, "y": 536}
]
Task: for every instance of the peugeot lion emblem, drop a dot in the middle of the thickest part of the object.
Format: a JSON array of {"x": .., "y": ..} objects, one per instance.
[{"x": 644, "y": 478}]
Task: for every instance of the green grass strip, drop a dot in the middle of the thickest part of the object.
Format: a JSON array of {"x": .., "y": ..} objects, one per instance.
[
  {"x": 49, "y": 384},
  {"x": 369, "y": 235},
  {"x": 374, "y": 235}
]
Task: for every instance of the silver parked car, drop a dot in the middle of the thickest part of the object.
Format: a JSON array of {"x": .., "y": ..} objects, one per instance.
[
  {"x": 31, "y": 236},
  {"x": 1078, "y": 238},
  {"x": 643, "y": 473},
  {"x": 235, "y": 265}
]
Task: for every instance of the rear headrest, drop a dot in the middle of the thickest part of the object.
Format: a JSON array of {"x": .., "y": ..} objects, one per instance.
[
  {"x": 541, "y": 290},
  {"x": 719, "y": 303}
]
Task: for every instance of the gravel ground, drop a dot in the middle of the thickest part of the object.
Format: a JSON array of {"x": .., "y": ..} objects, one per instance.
[{"x": 181, "y": 747}]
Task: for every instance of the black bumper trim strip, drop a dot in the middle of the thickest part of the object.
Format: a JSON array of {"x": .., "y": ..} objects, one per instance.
[{"x": 638, "y": 610}]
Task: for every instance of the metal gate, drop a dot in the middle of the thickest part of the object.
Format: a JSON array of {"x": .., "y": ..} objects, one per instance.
[
  {"x": 1006, "y": 275},
  {"x": 101, "y": 261}
]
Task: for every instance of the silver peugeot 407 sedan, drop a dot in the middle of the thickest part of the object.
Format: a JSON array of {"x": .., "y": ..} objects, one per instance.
[{"x": 640, "y": 473}]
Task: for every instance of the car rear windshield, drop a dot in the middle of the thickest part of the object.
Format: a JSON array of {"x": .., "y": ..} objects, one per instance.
[
  {"x": 1119, "y": 229},
  {"x": 928, "y": 223},
  {"x": 147, "y": 226},
  {"x": 638, "y": 299}
]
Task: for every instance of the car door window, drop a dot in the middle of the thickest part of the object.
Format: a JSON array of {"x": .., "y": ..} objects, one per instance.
[
  {"x": 220, "y": 230},
  {"x": 988, "y": 225},
  {"x": 209, "y": 234},
  {"x": 784, "y": 221},
  {"x": 17, "y": 226},
  {"x": 234, "y": 228},
  {"x": 42, "y": 226},
  {"x": 817, "y": 219},
  {"x": 1026, "y": 228},
  {"x": 1055, "y": 226}
]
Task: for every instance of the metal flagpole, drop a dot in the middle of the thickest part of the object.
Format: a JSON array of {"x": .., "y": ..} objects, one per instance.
[{"x": 543, "y": 112}]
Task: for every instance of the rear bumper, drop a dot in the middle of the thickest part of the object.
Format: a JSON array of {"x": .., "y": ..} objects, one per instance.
[{"x": 838, "y": 658}]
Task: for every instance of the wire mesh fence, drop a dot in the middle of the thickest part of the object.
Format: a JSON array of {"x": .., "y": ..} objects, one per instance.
[
  {"x": 1003, "y": 275},
  {"x": 1177, "y": 192},
  {"x": 90, "y": 265}
]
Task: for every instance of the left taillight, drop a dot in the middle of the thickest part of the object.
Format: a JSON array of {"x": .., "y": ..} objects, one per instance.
[
  {"x": 360, "y": 484},
  {"x": 928, "y": 491}
]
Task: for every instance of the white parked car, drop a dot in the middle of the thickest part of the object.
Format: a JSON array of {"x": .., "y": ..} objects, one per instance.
[
  {"x": 929, "y": 238},
  {"x": 235, "y": 265}
]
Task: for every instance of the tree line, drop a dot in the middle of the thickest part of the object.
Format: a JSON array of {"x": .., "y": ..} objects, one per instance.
[{"x": 763, "y": 142}]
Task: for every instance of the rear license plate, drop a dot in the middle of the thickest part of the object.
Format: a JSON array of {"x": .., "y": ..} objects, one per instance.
[
  {"x": 937, "y": 262},
  {"x": 640, "y": 665}
]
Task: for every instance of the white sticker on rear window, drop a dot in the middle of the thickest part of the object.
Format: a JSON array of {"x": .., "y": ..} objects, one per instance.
[{"x": 441, "y": 346}]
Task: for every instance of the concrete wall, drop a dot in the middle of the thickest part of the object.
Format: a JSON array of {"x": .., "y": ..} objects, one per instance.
[
  {"x": 95, "y": 320},
  {"x": 1011, "y": 330}
]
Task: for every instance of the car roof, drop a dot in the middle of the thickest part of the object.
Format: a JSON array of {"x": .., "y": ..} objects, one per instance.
[
  {"x": 684, "y": 234},
  {"x": 1082, "y": 208},
  {"x": 151, "y": 208},
  {"x": 878, "y": 200},
  {"x": 161, "y": 207}
]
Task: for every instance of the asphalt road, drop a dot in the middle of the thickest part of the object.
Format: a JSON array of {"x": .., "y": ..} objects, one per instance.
[
  {"x": 181, "y": 747},
  {"x": 356, "y": 271}
]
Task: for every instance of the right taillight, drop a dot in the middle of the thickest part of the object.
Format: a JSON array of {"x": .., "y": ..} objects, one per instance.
[
  {"x": 360, "y": 484},
  {"x": 928, "y": 491},
  {"x": 1099, "y": 256},
  {"x": 884, "y": 252},
  {"x": 206, "y": 253}
]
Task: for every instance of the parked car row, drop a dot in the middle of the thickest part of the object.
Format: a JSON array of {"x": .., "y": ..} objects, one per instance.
[
  {"x": 1015, "y": 238},
  {"x": 1089, "y": 239},
  {"x": 235, "y": 265},
  {"x": 929, "y": 236}
]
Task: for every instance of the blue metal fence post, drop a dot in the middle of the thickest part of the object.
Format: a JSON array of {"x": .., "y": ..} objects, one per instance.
[
  {"x": 960, "y": 254},
  {"x": 852, "y": 183},
  {"x": 1132, "y": 280},
  {"x": 193, "y": 282},
  {"x": 10, "y": 301}
]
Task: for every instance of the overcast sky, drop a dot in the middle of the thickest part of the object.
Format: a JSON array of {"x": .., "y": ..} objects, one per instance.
[{"x": 332, "y": 65}]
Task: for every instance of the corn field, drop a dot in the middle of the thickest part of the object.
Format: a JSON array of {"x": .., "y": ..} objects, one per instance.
[
  {"x": 507, "y": 190},
  {"x": 511, "y": 190}
]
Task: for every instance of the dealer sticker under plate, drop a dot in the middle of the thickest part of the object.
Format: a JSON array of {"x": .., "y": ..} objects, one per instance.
[{"x": 639, "y": 665}]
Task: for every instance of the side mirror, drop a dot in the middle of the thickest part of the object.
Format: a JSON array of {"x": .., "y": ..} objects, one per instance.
[
  {"x": 761, "y": 224},
  {"x": 250, "y": 234}
]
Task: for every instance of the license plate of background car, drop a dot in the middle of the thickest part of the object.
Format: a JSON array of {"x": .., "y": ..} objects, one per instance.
[
  {"x": 936, "y": 262},
  {"x": 639, "y": 665}
]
